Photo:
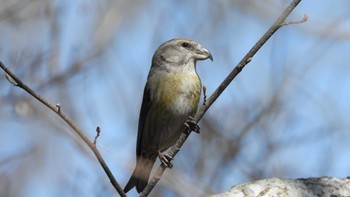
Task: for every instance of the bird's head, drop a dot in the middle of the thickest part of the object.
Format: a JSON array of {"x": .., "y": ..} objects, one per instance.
[{"x": 180, "y": 51}]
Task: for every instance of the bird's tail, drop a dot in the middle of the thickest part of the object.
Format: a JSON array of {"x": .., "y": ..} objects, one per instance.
[{"x": 140, "y": 176}]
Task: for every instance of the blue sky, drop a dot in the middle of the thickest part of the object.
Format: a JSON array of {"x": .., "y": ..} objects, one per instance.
[{"x": 114, "y": 41}]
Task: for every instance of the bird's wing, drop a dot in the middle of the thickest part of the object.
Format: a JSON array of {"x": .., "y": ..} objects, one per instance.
[{"x": 146, "y": 103}]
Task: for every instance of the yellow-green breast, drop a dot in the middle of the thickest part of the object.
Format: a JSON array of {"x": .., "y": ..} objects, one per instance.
[{"x": 178, "y": 93}]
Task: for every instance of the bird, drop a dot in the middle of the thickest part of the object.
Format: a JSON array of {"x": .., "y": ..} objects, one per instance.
[{"x": 171, "y": 95}]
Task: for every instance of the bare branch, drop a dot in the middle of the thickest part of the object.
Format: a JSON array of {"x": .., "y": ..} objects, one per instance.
[
  {"x": 247, "y": 58},
  {"x": 57, "y": 109}
]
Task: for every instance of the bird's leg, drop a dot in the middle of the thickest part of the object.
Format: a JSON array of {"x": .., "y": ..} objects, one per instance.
[
  {"x": 165, "y": 159},
  {"x": 192, "y": 125}
]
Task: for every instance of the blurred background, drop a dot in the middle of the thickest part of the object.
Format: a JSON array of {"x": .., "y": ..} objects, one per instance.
[{"x": 285, "y": 115}]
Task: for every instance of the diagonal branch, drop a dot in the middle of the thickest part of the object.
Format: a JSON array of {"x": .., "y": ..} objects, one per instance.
[
  {"x": 57, "y": 109},
  {"x": 247, "y": 58}
]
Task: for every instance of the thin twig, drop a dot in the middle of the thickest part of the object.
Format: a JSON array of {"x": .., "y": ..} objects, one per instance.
[
  {"x": 247, "y": 58},
  {"x": 303, "y": 20},
  {"x": 59, "y": 112},
  {"x": 98, "y": 131},
  {"x": 9, "y": 79},
  {"x": 58, "y": 107}
]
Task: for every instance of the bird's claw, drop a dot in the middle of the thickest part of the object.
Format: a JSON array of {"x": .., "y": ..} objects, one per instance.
[
  {"x": 192, "y": 125},
  {"x": 165, "y": 159}
]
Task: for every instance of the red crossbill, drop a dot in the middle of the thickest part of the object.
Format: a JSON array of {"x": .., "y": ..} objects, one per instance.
[{"x": 171, "y": 95}]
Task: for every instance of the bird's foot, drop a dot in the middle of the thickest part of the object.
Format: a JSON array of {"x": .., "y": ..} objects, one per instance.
[
  {"x": 165, "y": 159},
  {"x": 192, "y": 125}
]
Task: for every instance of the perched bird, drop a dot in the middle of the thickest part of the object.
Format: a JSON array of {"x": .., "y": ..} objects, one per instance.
[{"x": 171, "y": 95}]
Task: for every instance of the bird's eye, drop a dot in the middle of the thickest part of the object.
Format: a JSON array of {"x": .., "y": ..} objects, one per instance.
[{"x": 185, "y": 44}]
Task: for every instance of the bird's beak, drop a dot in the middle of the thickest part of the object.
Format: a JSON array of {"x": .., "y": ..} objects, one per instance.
[
  {"x": 207, "y": 52},
  {"x": 204, "y": 54},
  {"x": 210, "y": 56}
]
